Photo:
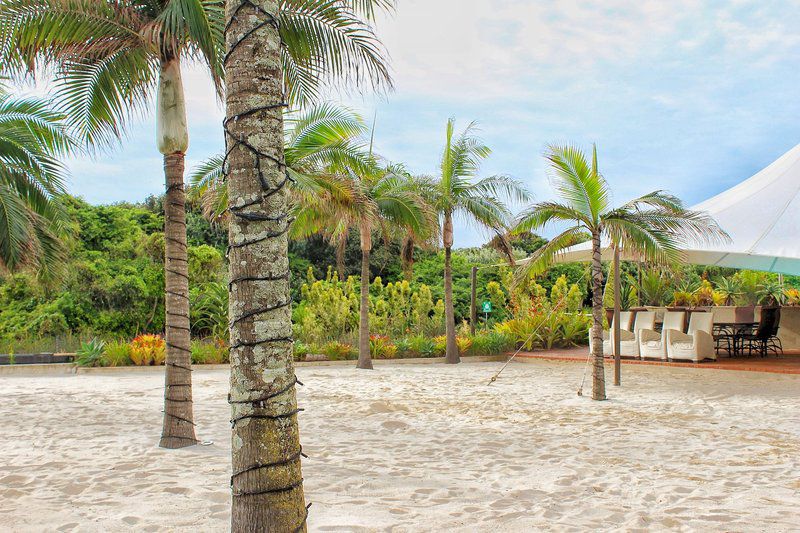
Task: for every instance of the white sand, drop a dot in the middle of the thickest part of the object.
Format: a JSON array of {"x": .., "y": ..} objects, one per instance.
[{"x": 420, "y": 448}]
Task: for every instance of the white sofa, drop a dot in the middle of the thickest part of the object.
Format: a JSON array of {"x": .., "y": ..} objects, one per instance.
[
  {"x": 697, "y": 343},
  {"x": 653, "y": 344}
]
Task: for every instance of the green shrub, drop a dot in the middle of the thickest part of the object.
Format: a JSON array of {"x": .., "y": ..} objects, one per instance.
[
  {"x": 490, "y": 343},
  {"x": 421, "y": 346},
  {"x": 117, "y": 353},
  {"x": 89, "y": 353},
  {"x": 381, "y": 347},
  {"x": 210, "y": 353},
  {"x": 339, "y": 351},
  {"x": 300, "y": 350},
  {"x": 403, "y": 348}
]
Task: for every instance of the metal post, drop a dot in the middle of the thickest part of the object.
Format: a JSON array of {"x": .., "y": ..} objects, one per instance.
[
  {"x": 473, "y": 306},
  {"x": 617, "y": 303}
]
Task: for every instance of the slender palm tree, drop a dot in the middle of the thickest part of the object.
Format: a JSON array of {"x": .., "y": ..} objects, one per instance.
[
  {"x": 267, "y": 482},
  {"x": 32, "y": 220},
  {"x": 410, "y": 240},
  {"x": 378, "y": 202},
  {"x": 652, "y": 227},
  {"x": 456, "y": 193}
]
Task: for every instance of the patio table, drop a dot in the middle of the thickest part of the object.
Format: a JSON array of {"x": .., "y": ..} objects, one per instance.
[{"x": 735, "y": 331}]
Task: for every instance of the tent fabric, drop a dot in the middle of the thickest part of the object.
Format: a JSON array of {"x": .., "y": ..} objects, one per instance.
[{"x": 762, "y": 216}]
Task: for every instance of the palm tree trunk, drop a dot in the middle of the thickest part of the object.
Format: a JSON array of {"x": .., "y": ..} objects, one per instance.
[
  {"x": 267, "y": 482},
  {"x": 364, "y": 359},
  {"x": 173, "y": 140},
  {"x": 598, "y": 371},
  {"x": 407, "y": 258},
  {"x": 341, "y": 245},
  {"x": 451, "y": 350}
]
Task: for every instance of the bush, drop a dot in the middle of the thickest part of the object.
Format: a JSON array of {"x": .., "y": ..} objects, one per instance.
[
  {"x": 339, "y": 351},
  {"x": 117, "y": 353},
  {"x": 381, "y": 347},
  {"x": 421, "y": 346},
  {"x": 300, "y": 350},
  {"x": 148, "y": 350},
  {"x": 210, "y": 353},
  {"x": 490, "y": 343},
  {"x": 89, "y": 353}
]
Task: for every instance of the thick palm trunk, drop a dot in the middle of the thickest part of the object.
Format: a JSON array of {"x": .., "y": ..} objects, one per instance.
[
  {"x": 598, "y": 371},
  {"x": 364, "y": 359},
  {"x": 173, "y": 141},
  {"x": 451, "y": 350},
  {"x": 267, "y": 482},
  {"x": 407, "y": 258}
]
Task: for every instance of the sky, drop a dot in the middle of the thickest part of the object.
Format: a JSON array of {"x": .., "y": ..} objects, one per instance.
[{"x": 689, "y": 96}]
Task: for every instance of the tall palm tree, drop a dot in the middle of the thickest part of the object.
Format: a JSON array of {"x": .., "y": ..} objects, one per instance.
[
  {"x": 652, "y": 227},
  {"x": 109, "y": 58},
  {"x": 32, "y": 220},
  {"x": 456, "y": 193},
  {"x": 267, "y": 482},
  {"x": 410, "y": 239}
]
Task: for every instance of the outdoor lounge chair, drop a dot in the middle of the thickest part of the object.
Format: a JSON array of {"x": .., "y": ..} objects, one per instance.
[
  {"x": 653, "y": 344},
  {"x": 625, "y": 320},
  {"x": 697, "y": 343},
  {"x": 629, "y": 340},
  {"x": 765, "y": 338}
]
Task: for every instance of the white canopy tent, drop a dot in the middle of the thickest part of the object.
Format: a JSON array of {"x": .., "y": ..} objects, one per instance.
[{"x": 762, "y": 216}]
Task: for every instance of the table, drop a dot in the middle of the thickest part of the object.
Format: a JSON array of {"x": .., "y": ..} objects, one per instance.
[{"x": 733, "y": 332}]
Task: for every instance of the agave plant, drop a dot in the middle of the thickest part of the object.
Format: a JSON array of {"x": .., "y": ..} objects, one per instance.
[
  {"x": 729, "y": 288},
  {"x": 771, "y": 293}
]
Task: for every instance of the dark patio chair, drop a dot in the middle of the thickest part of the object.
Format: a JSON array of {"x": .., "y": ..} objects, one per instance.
[
  {"x": 759, "y": 341},
  {"x": 774, "y": 344}
]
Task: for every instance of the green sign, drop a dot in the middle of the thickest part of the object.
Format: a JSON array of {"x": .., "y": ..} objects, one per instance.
[{"x": 487, "y": 306}]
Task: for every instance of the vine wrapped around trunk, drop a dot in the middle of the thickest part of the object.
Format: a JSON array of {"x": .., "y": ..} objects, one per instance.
[{"x": 267, "y": 483}]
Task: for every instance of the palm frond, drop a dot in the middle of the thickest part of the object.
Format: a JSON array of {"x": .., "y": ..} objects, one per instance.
[{"x": 547, "y": 255}]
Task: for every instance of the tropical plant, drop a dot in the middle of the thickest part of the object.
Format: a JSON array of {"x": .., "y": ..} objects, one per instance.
[
  {"x": 730, "y": 289},
  {"x": 214, "y": 352},
  {"x": 771, "y": 292},
  {"x": 654, "y": 287},
  {"x": 749, "y": 283},
  {"x": 652, "y": 227},
  {"x": 455, "y": 193},
  {"x": 116, "y": 353},
  {"x": 147, "y": 349},
  {"x": 209, "y": 309},
  {"x": 338, "y": 351},
  {"x": 792, "y": 297},
  {"x": 90, "y": 353},
  {"x": 32, "y": 219},
  {"x": 382, "y": 347}
]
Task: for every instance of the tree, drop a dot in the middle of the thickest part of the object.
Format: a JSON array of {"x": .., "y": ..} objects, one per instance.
[
  {"x": 652, "y": 228},
  {"x": 108, "y": 59},
  {"x": 378, "y": 200},
  {"x": 32, "y": 218},
  {"x": 455, "y": 193},
  {"x": 267, "y": 483}
]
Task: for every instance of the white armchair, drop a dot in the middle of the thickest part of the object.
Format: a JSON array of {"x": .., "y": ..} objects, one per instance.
[
  {"x": 652, "y": 344},
  {"x": 625, "y": 321},
  {"x": 696, "y": 344},
  {"x": 629, "y": 340}
]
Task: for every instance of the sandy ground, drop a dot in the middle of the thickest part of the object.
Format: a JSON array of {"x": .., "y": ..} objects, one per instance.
[{"x": 420, "y": 448}]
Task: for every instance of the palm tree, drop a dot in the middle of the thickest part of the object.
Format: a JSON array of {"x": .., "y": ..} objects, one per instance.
[
  {"x": 455, "y": 193},
  {"x": 32, "y": 220},
  {"x": 652, "y": 228},
  {"x": 410, "y": 240},
  {"x": 110, "y": 56},
  {"x": 109, "y": 59},
  {"x": 267, "y": 482}
]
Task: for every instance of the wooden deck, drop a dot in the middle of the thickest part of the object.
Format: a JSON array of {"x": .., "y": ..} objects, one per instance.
[{"x": 788, "y": 363}]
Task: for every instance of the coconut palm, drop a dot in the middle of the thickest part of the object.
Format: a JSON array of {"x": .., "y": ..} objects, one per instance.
[
  {"x": 32, "y": 220},
  {"x": 109, "y": 58},
  {"x": 378, "y": 202},
  {"x": 651, "y": 228},
  {"x": 456, "y": 193},
  {"x": 267, "y": 482}
]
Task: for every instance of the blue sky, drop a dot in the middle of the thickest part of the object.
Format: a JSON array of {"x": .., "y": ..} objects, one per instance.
[{"x": 689, "y": 96}]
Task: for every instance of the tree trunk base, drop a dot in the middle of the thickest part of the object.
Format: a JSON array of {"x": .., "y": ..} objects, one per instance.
[
  {"x": 365, "y": 365},
  {"x": 173, "y": 443},
  {"x": 452, "y": 360}
]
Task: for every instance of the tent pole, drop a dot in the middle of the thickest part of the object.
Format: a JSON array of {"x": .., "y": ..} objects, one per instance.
[{"x": 617, "y": 327}]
